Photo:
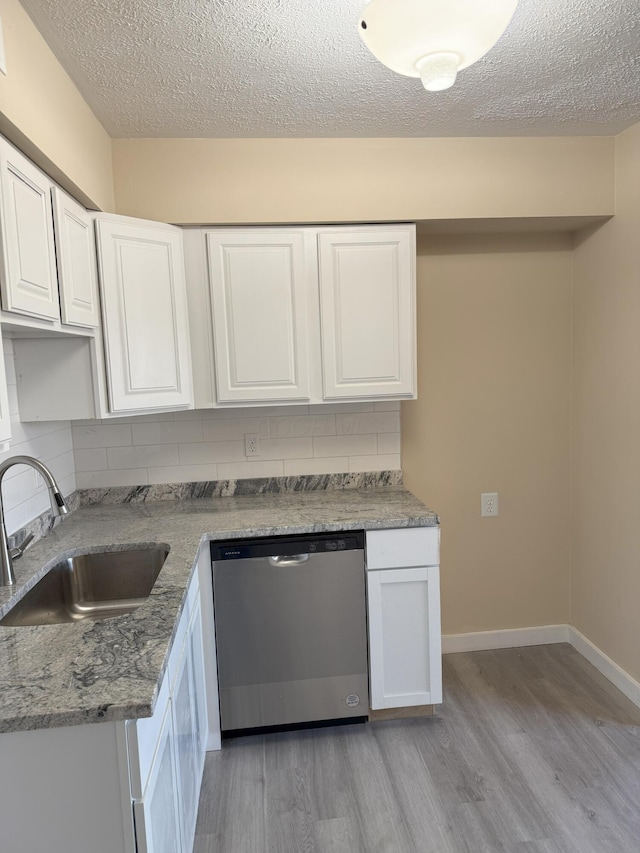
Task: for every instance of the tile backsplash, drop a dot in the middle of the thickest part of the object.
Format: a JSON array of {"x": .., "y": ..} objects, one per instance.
[
  {"x": 24, "y": 493},
  {"x": 210, "y": 444},
  {"x": 192, "y": 446}
]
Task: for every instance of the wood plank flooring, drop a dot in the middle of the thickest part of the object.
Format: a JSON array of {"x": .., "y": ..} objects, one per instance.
[{"x": 532, "y": 751}]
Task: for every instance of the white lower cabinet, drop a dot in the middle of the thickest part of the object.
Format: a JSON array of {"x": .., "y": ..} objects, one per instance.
[
  {"x": 118, "y": 787},
  {"x": 166, "y": 811},
  {"x": 187, "y": 737},
  {"x": 403, "y": 599},
  {"x": 157, "y": 820}
]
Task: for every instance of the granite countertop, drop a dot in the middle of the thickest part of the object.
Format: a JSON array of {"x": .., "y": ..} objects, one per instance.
[{"x": 92, "y": 671}]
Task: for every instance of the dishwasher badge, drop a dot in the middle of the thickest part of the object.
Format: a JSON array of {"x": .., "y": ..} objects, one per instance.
[{"x": 352, "y": 700}]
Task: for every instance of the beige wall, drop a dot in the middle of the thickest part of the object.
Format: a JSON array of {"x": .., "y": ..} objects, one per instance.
[
  {"x": 43, "y": 113},
  {"x": 342, "y": 180},
  {"x": 606, "y": 423},
  {"x": 494, "y": 342}
]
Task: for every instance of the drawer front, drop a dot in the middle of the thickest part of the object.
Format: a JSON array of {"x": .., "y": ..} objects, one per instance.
[{"x": 402, "y": 547}]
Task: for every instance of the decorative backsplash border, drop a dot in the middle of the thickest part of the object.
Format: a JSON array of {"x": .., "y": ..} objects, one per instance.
[
  {"x": 41, "y": 525},
  {"x": 229, "y": 488}
]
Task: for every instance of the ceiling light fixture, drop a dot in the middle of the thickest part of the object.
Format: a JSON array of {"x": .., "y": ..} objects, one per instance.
[{"x": 433, "y": 39}]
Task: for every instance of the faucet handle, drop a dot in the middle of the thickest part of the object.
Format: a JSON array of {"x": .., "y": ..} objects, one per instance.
[{"x": 19, "y": 550}]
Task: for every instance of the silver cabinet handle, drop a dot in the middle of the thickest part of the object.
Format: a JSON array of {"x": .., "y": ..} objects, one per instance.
[{"x": 293, "y": 560}]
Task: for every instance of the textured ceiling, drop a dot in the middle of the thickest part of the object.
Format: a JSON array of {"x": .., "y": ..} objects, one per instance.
[{"x": 269, "y": 68}]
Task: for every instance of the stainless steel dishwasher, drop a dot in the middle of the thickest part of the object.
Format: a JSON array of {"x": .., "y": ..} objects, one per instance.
[{"x": 291, "y": 630}]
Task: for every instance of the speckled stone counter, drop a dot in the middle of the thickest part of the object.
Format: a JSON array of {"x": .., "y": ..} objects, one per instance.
[{"x": 86, "y": 672}]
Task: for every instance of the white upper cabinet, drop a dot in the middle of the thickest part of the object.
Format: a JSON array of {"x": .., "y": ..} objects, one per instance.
[
  {"x": 76, "y": 257},
  {"x": 259, "y": 283},
  {"x": 367, "y": 299},
  {"x": 144, "y": 308},
  {"x": 302, "y": 315},
  {"x": 28, "y": 266}
]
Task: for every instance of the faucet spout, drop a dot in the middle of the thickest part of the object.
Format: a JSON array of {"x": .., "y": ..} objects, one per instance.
[{"x": 58, "y": 507}]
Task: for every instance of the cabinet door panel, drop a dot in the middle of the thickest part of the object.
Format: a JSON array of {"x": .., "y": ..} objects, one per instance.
[
  {"x": 199, "y": 683},
  {"x": 185, "y": 739},
  {"x": 144, "y": 316},
  {"x": 367, "y": 292},
  {"x": 29, "y": 278},
  {"x": 259, "y": 302},
  {"x": 76, "y": 257},
  {"x": 156, "y": 815},
  {"x": 404, "y": 637}
]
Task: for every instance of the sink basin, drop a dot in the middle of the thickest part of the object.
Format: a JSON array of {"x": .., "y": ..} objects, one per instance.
[{"x": 90, "y": 586}]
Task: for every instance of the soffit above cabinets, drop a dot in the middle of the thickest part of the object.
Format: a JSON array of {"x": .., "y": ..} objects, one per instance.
[{"x": 269, "y": 68}]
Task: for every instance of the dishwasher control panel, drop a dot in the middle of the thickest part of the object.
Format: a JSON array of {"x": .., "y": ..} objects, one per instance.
[{"x": 286, "y": 546}]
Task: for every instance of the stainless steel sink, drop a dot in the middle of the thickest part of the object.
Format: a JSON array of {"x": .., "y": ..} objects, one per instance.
[{"x": 90, "y": 586}]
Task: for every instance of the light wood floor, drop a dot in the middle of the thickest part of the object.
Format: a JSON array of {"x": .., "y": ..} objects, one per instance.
[{"x": 533, "y": 751}]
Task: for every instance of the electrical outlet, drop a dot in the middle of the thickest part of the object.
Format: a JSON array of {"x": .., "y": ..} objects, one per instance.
[
  {"x": 251, "y": 444},
  {"x": 489, "y": 504}
]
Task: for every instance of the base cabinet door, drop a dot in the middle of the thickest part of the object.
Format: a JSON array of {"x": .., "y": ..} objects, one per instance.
[
  {"x": 144, "y": 310},
  {"x": 186, "y": 743},
  {"x": 157, "y": 819},
  {"x": 404, "y": 637},
  {"x": 28, "y": 275},
  {"x": 167, "y": 751},
  {"x": 199, "y": 683}
]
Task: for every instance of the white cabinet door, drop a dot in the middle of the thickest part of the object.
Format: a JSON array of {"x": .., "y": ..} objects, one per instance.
[
  {"x": 28, "y": 275},
  {"x": 405, "y": 666},
  {"x": 76, "y": 258},
  {"x": 259, "y": 280},
  {"x": 189, "y": 726},
  {"x": 146, "y": 330},
  {"x": 172, "y": 742},
  {"x": 156, "y": 815},
  {"x": 199, "y": 683},
  {"x": 185, "y": 737},
  {"x": 367, "y": 300}
]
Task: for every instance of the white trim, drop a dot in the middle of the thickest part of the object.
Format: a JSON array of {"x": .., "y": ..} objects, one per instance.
[
  {"x": 539, "y": 635},
  {"x": 609, "y": 668}
]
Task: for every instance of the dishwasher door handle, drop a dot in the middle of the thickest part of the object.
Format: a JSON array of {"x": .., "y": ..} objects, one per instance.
[{"x": 293, "y": 560}]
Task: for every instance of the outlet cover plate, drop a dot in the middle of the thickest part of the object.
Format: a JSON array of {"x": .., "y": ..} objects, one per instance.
[
  {"x": 252, "y": 444},
  {"x": 489, "y": 504}
]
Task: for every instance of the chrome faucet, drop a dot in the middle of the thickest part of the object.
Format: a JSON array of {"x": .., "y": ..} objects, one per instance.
[{"x": 58, "y": 507}]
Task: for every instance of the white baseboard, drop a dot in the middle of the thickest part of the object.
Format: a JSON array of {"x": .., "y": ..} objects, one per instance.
[
  {"x": 508, "y": 639},
  {"x": 609, "y": 668},
  {"x": 541, "y": 635}
]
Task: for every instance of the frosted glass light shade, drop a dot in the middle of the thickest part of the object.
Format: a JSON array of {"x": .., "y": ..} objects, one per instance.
[{"x": 405, "y": 34}]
